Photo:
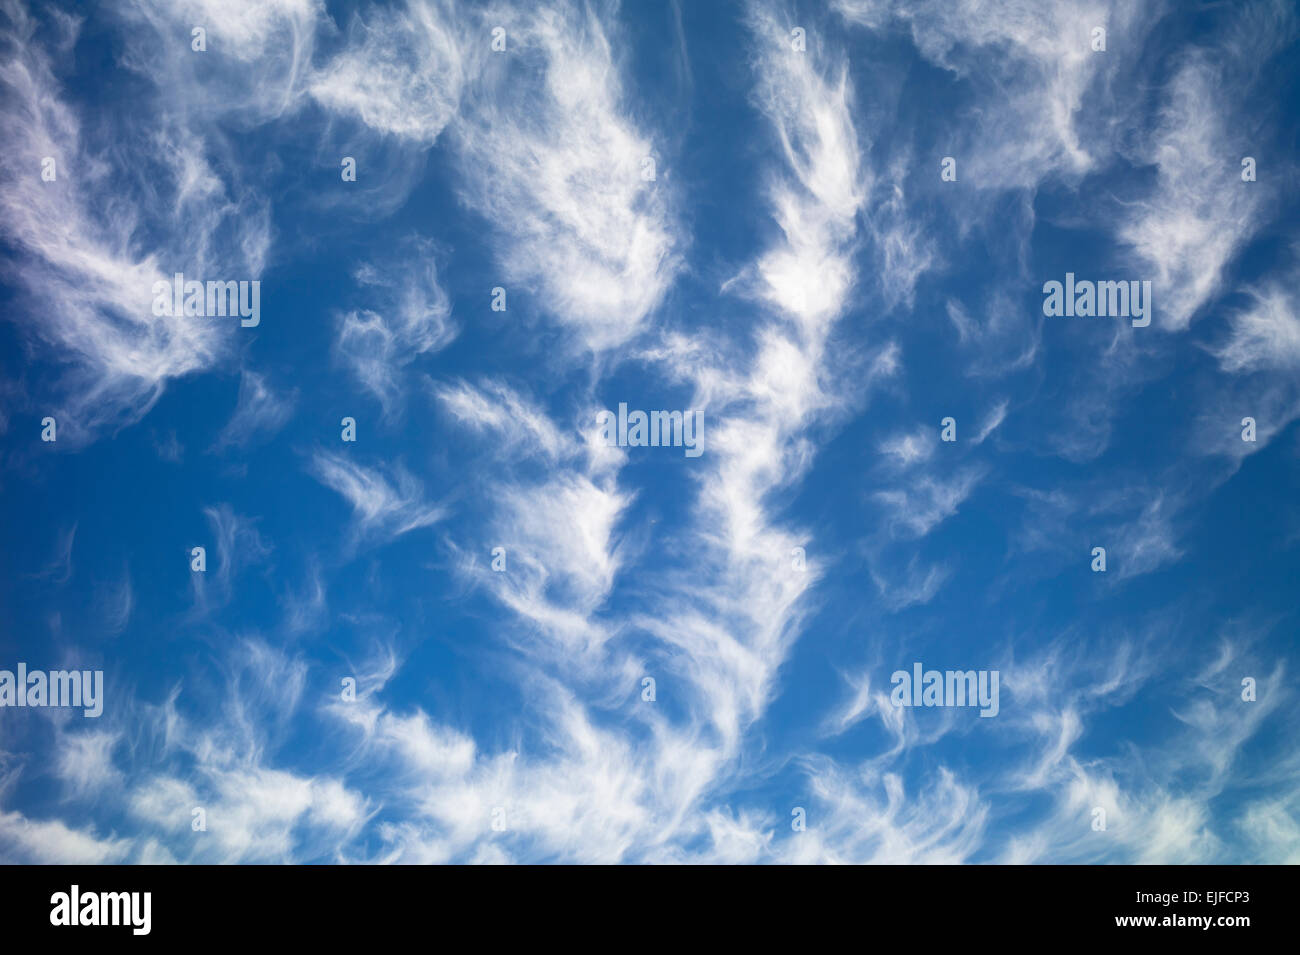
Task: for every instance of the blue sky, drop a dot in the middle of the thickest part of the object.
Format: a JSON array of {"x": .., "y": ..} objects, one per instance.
[{"x": 799, "y": 274}]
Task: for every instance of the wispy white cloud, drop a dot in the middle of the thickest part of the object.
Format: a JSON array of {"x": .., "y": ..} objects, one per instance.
[
  {"x": 52, "y": 842},
  {"x": 556, "y": 168},
  {"x": 497, "y": 409},
  {"x": 384, "y": 504},
  {"x": 907, "y": 449},
  {"x": 234, "y": 544},
  {"x": 76, "y": 261},
  {"x": 916, "y": 509},
  {"x": 410, "y": 316},
  {"x": 913, "y": 586},
  {"x": 401, "y": 71},
  {"x": 1029, "y": 67},
  {"x": 260, "y": 411},
  {"x": 1200, "y": 212},
  {"x": 1266, "y": 335},
  {"x": 92, "y": 242}
]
